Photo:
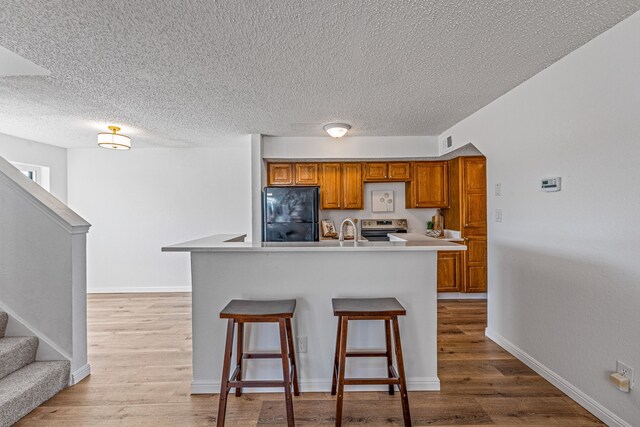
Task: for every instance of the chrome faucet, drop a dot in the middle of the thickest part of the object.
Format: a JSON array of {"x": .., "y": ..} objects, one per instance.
[{"x": 355, "y": 230}]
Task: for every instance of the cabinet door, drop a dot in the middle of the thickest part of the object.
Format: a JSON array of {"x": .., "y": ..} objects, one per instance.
[
  {"x": 449, "y": 271},
  {"x": 280, "y": 174},
  {"x": 399, "y": 171},
  {"x": 476, "y": 264},
  {"x": 375, "y": 171},
  {"x": 307, "y": 174},
  {"x": 430, "y": 185},
  {"x": 330, "y": 186},
  {"x": 475, "y": 175},
  {"x": 475, "y": 210},
  {"x": 352, "y": 186}
]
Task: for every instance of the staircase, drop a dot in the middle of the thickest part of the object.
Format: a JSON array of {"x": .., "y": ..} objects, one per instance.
[{"x": 25, "y": 383}]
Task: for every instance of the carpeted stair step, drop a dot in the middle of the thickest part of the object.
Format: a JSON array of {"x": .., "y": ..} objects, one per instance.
[
  {"x": 4, "y": 319},
  {"x": 29, "y": 387},
  {"x": 16, "y": 352}
]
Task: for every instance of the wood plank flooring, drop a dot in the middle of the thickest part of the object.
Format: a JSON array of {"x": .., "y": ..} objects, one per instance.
[{"x": 140, "y": 354}]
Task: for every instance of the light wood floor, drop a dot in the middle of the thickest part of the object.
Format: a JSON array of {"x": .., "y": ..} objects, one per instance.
[{"x": 140, "y": 354}]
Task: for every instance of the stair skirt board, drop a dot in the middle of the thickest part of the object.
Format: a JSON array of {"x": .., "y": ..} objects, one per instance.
[{"x": 29, "y": 387}]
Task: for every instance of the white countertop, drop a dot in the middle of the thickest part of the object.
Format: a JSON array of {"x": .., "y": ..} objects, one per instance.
[
  {"x": 235, "y": 243},
  {"x": 415, "y": 237}
]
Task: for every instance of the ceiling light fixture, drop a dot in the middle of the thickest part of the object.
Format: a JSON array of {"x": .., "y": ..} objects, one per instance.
[
  {"x": 336, "y": 130},
  {"x": 114, "y": 140}
]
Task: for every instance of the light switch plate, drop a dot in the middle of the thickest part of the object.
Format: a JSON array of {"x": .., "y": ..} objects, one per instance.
[
  {"x": 498, "y": 215},
  {"x": 498, "y": 189}
]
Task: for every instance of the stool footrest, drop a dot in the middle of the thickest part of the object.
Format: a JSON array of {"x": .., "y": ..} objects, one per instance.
[
  {"x": 256, "y": 383},
  {"x": 366, "y": 354},
  {"x": 370, "y": 381},
  {"x": 262, "y": 356}
]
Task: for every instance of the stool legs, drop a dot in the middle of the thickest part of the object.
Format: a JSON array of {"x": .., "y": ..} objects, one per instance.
[
  {"x": 226, "y": 367},
  {"x": 344, "y": 323},
  {"x": 387, "y": 335},
  {"x": 292, "y": 356},
  {"x": 336, "y": 359},
  {"x": 285, "y": 372},
  {"x": 403, "y": 381},
  {"x": 398, "y": 377},
  {"x": 289, "y": 370},
  {"x": 239, "y": 353}
]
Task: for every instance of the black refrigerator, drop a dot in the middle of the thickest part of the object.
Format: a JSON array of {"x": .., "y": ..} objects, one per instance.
[{"x": 290, "y": 214}]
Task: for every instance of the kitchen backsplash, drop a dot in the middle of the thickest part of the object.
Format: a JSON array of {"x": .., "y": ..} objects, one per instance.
[{"x": 416, "y": 218}]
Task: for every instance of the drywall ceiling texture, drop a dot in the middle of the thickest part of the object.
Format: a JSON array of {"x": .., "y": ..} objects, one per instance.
[
  {"x": 189, "y": 73},
  {"x": 563, "y": 267}
]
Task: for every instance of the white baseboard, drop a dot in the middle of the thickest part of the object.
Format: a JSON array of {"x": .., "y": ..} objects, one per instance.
[
  {"x": 319, "y": 386},
  {"x": 565, "y": 386},
  {"x": 461, "y": 295},
  {"x": 80, "y": 374},
  {"x": 137, "y": 289}
]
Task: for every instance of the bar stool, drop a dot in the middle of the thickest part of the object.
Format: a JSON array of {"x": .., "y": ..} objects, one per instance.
[
  {"x": 250, "y": 311},
  {"x": 387, "y": 309}
]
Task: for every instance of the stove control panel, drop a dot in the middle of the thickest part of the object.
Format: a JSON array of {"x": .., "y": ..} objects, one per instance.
[{"x": 384, "y": 224}]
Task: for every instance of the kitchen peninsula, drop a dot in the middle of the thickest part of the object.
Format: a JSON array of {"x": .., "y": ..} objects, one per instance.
[{"x": 224, "y": 267}]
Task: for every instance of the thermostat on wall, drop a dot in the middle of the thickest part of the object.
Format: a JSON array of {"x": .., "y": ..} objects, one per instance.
[{"x": 550, "y": 184}]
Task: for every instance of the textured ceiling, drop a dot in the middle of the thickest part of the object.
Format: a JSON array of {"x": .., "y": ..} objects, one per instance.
[{"x": 199, "y": 72}]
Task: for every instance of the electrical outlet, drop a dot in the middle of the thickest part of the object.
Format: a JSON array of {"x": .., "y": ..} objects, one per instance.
[
  {"x": 498, "y": 215},
  {"x": 498, "y": 189},
  {"x": 626, "y": 371},
  {"x": 301, "y": 344}
]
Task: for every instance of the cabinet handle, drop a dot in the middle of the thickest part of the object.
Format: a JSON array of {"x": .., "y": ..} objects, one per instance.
[
  {"x": 416, "y": 205},
  {"x": 466, "y": 225}
]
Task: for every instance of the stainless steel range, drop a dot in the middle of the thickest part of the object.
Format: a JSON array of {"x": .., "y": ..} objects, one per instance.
[{"x": 377, "y": 229}]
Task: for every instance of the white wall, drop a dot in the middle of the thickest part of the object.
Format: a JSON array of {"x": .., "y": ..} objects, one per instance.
[
  {"x": 563, "y": 267},
  {"x": 143, "y": 199},
  {"x": 356, "y": 147},
  {"x": 21, "y": 150}
]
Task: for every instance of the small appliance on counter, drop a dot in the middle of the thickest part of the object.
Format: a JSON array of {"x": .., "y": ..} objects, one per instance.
[
  {"x": 290, "y": 214},
  {"x": 378, "y": 229}
]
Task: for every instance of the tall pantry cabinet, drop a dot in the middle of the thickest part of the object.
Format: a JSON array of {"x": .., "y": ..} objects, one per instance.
[{"x": 467, "y": 212}]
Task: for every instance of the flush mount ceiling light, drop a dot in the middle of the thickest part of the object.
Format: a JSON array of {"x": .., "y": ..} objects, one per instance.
[
  {"x": 336, "y": 130},
  {"x": 114, "y": 140}
]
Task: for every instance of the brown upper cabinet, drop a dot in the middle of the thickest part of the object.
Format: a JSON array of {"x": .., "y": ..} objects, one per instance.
[
  {"x": 376, "y": 171},
  {"x": 330, "y": 186},
  {"x": 306, "y": 174},
  {"x": 284, "y": 174},
  {"x": 429, "y": 187},
  {"x": 352, "y": 186},
  {"x": 280, "y": 174},
  {"x": 341, "y": 186},
  {"x": 384, "y": 172},
  {"x": 400, "y": 171}
]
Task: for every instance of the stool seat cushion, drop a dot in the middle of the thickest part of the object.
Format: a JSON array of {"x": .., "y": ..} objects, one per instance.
[
  {"x": 367, "y": 307},
  {"x": 239, "y": 308}
]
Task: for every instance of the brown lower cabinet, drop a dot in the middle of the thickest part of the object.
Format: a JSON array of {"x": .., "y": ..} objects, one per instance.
[{"x": 450, "y": 271}]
